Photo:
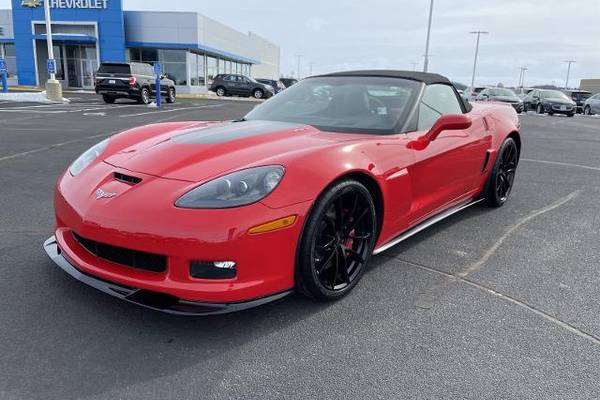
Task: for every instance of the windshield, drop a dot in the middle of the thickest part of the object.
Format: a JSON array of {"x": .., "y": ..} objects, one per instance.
[
  {"x": 554, "y": 94},
  {"x": 343, "y": 104},
  {"x": 114, "y": 69},
  {"x": 502, "y": 92}
]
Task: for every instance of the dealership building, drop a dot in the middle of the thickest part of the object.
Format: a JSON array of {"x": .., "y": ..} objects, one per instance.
[{"x": 191, "y": 47}]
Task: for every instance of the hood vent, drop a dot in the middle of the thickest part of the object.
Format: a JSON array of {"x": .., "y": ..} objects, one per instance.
[{"x": 132, "y": 180}]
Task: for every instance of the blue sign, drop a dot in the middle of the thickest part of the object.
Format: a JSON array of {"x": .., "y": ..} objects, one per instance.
[
  {"x": 157, "y": 69},
  {"x": 3, "y": 68},
  {"x": 51, "y": 64}
]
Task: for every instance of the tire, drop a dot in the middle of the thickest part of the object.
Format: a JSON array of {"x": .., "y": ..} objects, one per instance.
[
  {"x": 258, "y": 94},
  {"x": 570, "y": 115},
  {"x": 539, "y": 109},
  {"x": 587, "y": 110},
  {"x": 108, "y": 99},
  {"x": 171, "y": 96},
  {"x": 221, "y": 91},
  {"x": 144, "y": 96},
  {"x": 525, "y": 108},
  {"x": 503, "y": 173},
  {"x": 337, "y": 241}
]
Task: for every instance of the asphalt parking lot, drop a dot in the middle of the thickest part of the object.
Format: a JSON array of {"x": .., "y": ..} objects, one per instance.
[{"x": 491, "y": 303}]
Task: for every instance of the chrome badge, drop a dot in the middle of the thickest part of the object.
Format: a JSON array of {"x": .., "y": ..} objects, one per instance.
[
  {"x": 101, "y": 194},
  {"x": 31, "y": 3}
]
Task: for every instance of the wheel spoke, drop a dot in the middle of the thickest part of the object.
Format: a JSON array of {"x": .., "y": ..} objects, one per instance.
[
  {"x": 344, "y": 264},
  {"x": 356, "y": 255},
  {"x": 356, "y": 221},
  {"x": 335, "y": 270},
  {"x": 360, "y": 237},
  {"x": 323, "y": 265},
  {"x": 339, "y": 212}
]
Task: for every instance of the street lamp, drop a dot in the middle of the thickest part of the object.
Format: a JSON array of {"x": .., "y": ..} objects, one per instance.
[
  {"x": 522, "y": 76},
  {"x": 298, "y": 70},
  {"x": 478, "y": 33},
  {"x": 426, "y": 62},
  {"x": 568, "y": 72}
]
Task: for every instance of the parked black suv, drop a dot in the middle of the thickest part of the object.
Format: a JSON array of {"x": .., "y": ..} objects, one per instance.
[
  {"x": 579, "y": 97},
  {"x": 287, "y": 82},
  {"x": 240, "y": 85},
  {"x": 276, "y": 85},
  {"x": 131, "y": 81}
]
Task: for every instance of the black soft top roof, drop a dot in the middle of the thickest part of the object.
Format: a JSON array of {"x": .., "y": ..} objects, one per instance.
[{"x": 425, "y": 77}]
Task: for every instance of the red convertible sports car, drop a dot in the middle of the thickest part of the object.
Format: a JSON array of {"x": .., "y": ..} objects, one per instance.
[{"x": 211, "y": 217}]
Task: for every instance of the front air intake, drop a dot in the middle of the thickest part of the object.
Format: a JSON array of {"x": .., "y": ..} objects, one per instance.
[{"x": 132, "y": 180}]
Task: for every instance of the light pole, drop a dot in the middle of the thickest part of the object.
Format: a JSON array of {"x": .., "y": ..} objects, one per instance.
[
  {"x": 426, "y": 62},
  {"x": 53, "y": 88},
  {"x": 568, "y": 72},
  {"x": 522, "y": 76},
  {"x": 478, "y": 33},
  {"x": 298, "y": 70}
]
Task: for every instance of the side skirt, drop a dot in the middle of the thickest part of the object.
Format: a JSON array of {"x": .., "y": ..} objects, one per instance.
[{"x": 424, "y": 225}]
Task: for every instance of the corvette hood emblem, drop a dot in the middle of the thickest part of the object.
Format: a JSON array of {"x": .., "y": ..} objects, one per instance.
[{"x": 101, "y": 194}]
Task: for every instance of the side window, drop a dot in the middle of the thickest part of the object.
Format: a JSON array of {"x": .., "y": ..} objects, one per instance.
[
  {"x": 437, "y": 101},
  {"x": 229, "y": 78}
]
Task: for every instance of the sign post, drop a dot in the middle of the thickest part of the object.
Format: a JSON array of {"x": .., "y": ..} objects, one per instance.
[
  {"x": 3, "y": 73},
  {"x": 158, "y": 73},
  {"x": 53, "y": 88}
]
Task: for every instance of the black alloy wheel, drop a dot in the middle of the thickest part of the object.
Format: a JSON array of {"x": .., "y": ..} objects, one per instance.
[
  {"x": 337, "y": 242},
  {"x": 502, "y": 176},
  {"x": 171, "y": 96},
  {"x": 587, "y": 110},
  {"x": 540, "y": 108}
]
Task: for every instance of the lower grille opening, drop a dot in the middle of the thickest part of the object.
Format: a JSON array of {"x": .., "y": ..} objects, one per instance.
[
  {"x": 154, "y": 299},
  {"x": 119, "y": 255}
]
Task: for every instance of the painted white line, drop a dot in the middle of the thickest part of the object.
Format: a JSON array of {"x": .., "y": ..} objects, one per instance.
[
  {"x": 522, "y": 304},
  {"x": 511, "y": 229},
  {"x": 52, "y": 146},
  {"x": 561, "y": 163},
  {"x": 95, "y": 114},
  {"x": 171, "y": 110}
]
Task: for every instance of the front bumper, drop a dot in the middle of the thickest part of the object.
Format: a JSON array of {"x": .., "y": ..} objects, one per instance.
[{"x": 150, "y": 299}]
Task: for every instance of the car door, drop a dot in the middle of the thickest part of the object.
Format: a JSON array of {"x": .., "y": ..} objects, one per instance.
[
  {"x": 448, "y": 168},
  {"x": 245, "y": 86},
  {"x": 595, "y": 104},
  {"x": 230, "y": 83}
]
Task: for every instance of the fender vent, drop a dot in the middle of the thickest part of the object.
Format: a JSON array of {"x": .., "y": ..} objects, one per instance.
[{"x": 132, "y": 180}]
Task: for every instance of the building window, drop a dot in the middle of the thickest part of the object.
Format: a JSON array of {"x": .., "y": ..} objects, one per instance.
[
  {"x": 173, "y": 62},
  {"x": 211, "y": 68},
  {"x": 10, "y": 57}
]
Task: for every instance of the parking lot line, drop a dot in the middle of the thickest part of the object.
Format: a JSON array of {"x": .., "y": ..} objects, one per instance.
[
  {"x": 171, "y": 110},
  {"x": 561, "y": 163}
]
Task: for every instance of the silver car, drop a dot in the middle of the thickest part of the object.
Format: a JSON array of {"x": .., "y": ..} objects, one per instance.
[{"x": 592, "y": 105}]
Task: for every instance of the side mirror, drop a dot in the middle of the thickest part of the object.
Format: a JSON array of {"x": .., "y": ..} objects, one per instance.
[{"x": 448, "y": 122}]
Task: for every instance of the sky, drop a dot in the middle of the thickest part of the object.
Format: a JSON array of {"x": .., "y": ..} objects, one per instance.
[{"x": 373, "y": 34}]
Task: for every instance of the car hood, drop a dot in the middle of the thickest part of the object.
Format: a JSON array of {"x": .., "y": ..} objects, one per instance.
[
  {"x": 201, "y": 152},
  {"x": 509, "y": 99},
  {"x": 560, "y": 101}
]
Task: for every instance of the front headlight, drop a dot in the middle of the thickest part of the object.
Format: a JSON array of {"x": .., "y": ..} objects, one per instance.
[
  {"x": 236, "y": 189},
  {"x": 86, "y": 158}
]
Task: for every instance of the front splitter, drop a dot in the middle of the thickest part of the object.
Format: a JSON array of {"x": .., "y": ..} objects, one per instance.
[{"x": 154, "y": 300}]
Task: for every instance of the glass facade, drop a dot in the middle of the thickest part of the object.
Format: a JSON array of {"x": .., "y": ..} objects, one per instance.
[
  {"x": 187, "y": 68},
  {"x": 8, "y": 50}
]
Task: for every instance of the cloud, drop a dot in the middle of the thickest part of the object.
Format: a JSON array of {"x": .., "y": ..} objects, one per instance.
[{"x": 316, "y": 24}]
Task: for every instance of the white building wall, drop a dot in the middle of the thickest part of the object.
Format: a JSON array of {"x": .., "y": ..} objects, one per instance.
[
  {"x": 269, "y": 55},
  {"x": 161, "y": 27}
]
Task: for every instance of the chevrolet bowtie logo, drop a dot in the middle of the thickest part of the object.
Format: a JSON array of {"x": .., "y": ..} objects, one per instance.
[
  {"x": 31, "y": 3},
  {"x": 101, "y": 194}
]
